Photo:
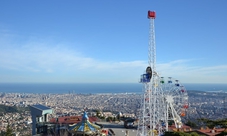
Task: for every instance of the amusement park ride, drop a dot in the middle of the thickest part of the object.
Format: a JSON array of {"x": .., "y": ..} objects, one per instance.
[{"x": 163, "y": 101}]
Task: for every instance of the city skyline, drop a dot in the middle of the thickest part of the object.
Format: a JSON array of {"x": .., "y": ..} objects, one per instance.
[{"x": 107, "y": 41}]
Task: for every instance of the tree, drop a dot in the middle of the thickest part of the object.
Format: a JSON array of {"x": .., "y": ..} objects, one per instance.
[
  {"x": 114, "y": 118},
  {"x": 224, "y": 133},
  {"x": 9, "y": 131},
  {"x": 98, "y": 113},
  {"x": 222, "y": 123},
  {"x": 170, "y": 122},
  {"x": 194, "y": 134},
  {"x": 191, "y": 124},
  {"x": 209, "y": 123},
  {"x": 180, "y": 134},
  {"x": 108, "y": 119},
  {"x": 118, "y": 117},
  {"x": 2, "y": 133}
]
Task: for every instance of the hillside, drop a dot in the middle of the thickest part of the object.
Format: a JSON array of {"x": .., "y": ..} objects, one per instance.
[{"x": 7, "y": 109}]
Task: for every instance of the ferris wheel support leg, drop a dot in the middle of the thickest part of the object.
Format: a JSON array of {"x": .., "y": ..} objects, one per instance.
[
  {"x": 177, "y": 119},
  {"x": 167, "y": 118}
]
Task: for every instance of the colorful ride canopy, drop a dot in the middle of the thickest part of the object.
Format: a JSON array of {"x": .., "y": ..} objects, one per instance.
[{"x": 84, "y": 127}]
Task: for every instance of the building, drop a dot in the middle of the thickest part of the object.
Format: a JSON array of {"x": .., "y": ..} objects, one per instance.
[{"x": 39, "y": 118}]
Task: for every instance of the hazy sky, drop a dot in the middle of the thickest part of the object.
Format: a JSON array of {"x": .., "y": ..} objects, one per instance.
[{"x": 93, "y": 41}]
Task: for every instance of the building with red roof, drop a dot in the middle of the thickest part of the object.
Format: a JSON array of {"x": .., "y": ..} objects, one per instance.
[
  {"x": 210, "y": 132},
  {"x": 70, "y": 120}
]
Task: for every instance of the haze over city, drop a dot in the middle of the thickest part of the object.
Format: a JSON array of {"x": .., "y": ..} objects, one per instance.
[{"x": 107, "y": 41}]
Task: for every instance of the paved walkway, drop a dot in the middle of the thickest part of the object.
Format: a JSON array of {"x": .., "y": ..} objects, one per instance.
[{"x": 118, "y": 129}]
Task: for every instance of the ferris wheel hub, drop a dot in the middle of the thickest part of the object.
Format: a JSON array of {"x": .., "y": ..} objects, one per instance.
[{"x": 169, "y": 99}]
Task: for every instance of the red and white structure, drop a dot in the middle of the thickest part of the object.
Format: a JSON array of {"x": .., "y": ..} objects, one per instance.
[{"x": 162, "y": 100}]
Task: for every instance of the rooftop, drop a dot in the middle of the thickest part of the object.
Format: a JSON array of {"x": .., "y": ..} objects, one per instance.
[{"x": 41, "y": 107}]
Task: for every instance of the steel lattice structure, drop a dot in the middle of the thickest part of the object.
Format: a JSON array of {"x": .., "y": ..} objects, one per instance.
[
  {"x": 149, "y": 120},
  {"x": 158, "y": 104}
]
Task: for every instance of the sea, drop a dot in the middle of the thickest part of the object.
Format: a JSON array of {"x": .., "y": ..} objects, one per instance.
[{"x": 95, "y": 88}]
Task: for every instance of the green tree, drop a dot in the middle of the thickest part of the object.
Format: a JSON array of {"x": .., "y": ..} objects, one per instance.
[
  {"x": 194, "y": 134},
  {"x": 222, "y": 123},
  {"x": 180, "y": 134},
  {"x": 108, "y": 119},
  {"x": 209, "y": 123},
  {"x": 98, "y": 113},
  {"x": 2, "y": 133},
  {"x": 191, "y": 124},
  {"x": 170, "y": 122},
  {"x": 118, "y": 117},
  {"x": 114, "y": 118},
  {"x": 224, "y": 133},
  {"x": 9, "y": 131}
]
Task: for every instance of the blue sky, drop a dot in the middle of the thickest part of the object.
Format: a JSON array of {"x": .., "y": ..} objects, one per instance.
[{"x": 106, "y": 41}]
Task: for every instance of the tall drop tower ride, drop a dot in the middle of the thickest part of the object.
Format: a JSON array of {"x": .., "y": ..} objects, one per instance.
[
  {"x": 151, "y": 113},
  {"x": 162, "y": 101}
]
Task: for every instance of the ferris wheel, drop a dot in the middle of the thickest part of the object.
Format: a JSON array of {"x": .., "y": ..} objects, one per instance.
[{"x": 175, "y": 101}]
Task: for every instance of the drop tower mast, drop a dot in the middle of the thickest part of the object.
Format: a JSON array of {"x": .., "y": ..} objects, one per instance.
[{"x": 152, "y": 104}]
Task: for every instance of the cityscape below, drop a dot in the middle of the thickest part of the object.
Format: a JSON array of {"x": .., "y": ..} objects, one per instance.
[{"x": 202, "y": 104}]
